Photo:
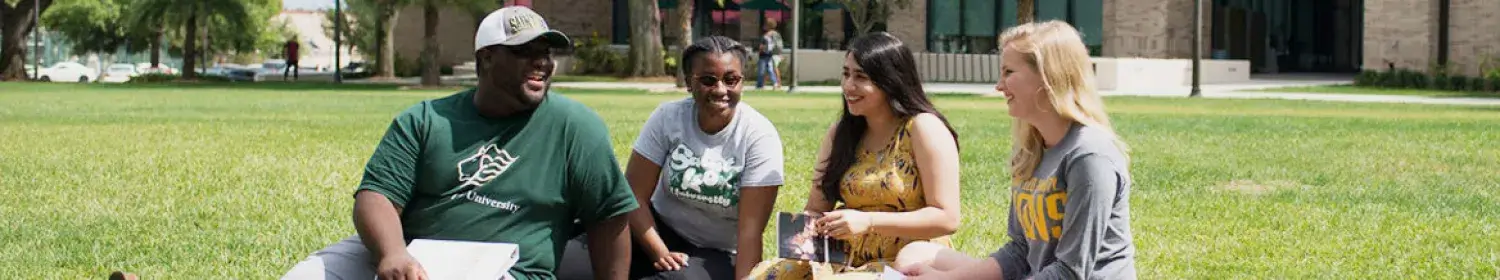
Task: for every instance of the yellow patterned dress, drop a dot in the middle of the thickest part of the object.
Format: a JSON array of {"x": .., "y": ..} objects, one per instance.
[{"x": 879, "y": 181}]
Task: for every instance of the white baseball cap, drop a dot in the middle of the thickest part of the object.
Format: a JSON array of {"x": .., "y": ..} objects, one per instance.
[{"x": 514, "y": 26}]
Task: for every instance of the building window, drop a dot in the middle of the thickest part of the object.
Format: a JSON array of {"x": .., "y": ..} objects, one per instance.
[
  {"x": 1085, "y": 15},
  {"x": 620, "y": 33},
  {"x": 964, "y": 26},
  {"x": 973, "y": 26}
]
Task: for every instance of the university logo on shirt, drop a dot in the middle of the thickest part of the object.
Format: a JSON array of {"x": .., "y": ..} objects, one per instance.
[
  {"x": 708, "y": 178},
  {"x": 481, "y": 168},
  {"x": 486, "y": 164},
  {"x": 1039, "y": 208}
]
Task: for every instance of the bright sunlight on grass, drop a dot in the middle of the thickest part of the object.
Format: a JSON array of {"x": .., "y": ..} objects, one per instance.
[{"x": 209, "y": 182}]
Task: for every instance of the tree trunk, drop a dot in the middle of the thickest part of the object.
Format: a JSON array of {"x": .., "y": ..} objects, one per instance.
[
  {"x": 430, "y": 71},
  {"x": 685, "y": 26},
  {"x": 156, "y": 47},
  {"x": 15, "y": 23},
  {"x": 1025, "y": 11},
  {"x": 190, "y": 47},
  {"x": 645, "y": 39},
  {"x": 385, "y": 64}
]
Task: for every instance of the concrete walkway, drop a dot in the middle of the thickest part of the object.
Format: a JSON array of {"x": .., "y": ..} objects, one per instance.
[{"x": 1225, "y": 91}]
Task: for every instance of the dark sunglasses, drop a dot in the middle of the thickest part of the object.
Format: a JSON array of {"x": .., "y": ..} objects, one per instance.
[
  {"x": 527, "y": 52},
  {"x": 711, "y": 81}
]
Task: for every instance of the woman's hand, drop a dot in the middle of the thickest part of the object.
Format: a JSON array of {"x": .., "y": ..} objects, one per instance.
[
  {"x": 922, "y": 271},
  {"x": 672, "y": 261},
  {"x": 844, "y": 224}
]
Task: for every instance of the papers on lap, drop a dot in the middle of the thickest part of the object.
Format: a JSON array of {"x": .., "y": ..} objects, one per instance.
[{"x": 448, "y": 259}]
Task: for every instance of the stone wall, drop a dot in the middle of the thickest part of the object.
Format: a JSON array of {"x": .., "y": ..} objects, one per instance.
[
  {"x": 1153, "y": 28},
  {"x": 1179, "y": 31},
  {"x": 577, "y": 18},
  {"x": 910, "y": 25},
  {"x": 1135, "y": 28},
  {"x": 455, "y": 35},
  {"x": 1473, "y": 37},
  {"x": 1399, "y": 32}
]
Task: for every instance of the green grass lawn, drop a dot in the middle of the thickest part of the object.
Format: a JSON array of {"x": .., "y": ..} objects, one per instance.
[
  {"x": 1351, "y": 89},
  {"x": 208, "y": 182}
]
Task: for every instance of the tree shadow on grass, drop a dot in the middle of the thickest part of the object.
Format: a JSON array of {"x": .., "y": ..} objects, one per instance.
[{"x": 1487, "y": 109}]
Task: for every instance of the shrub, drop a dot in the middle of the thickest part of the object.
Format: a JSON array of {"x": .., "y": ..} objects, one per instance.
[
  {"x": 592, "y": 56},
  {"x": 671, "y": 63},
  {"x": 1369, "y": 78},
  {"x": 1439, "y": 81},
  {"x": 214, "y": 78},
  {"x": 1455, "y": 83},
  {"x": 407, "y": 67},
  {"x": 358, "y": 75},
  {"x": 1390, "y": 79},
  {"x": 1410, "y": 79},
  {"x": 153, "y": 78},
  {"x": 1476, "y": 84},
  {"x": 165, "y": 78},
  {"x": 1494, "y": 83},
  {"x": 1492, "y": 80}
]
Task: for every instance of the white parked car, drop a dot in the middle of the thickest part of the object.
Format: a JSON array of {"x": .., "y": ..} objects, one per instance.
[
  {"x": 145, "y": 67},
  {"x": 118, "y": 73},
  {"x": 68, "y": 72}
]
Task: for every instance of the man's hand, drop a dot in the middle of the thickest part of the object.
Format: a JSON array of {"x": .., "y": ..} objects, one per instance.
[
  {"x": 400, "y": 267},
  {"x": 673, "y": 261},
  {"x": 844, "y": 224}
]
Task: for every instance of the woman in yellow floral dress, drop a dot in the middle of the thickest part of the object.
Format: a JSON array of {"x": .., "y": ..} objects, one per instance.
[{"x": 894, "y": 164}]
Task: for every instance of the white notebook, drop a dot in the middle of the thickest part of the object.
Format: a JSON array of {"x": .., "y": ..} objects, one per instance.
[
  {"x": 891, "y": 273},
  {"x": 464, "y": 260}
]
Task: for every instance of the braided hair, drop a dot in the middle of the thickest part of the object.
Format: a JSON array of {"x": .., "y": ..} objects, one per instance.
[{"x": 711, "y": 44}]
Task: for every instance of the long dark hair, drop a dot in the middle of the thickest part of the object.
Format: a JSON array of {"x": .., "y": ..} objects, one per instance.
[{"x": 893, "y": 69}]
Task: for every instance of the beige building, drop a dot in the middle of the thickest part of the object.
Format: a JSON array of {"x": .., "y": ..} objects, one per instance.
[{"x": 1272, "y": 36}]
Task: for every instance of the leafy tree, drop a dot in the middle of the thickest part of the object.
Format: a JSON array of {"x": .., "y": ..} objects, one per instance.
[
  {"x": 226, "y": 16},
  {"x": 866, "y": 13}
]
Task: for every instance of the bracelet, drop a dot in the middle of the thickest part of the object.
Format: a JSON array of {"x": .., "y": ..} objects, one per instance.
[{"x": 870, "y": 222}]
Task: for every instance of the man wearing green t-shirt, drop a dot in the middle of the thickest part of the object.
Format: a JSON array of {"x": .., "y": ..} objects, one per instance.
[{"x": 505, "y": 162}]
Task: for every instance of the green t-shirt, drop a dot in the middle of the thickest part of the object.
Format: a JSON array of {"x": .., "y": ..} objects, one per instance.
[{"x": 522, "y": 179}]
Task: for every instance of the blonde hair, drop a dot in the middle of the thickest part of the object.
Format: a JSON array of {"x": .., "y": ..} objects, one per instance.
[{"x": 1056, "y": 51}]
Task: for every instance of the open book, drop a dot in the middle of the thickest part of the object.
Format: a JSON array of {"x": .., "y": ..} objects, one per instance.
[
  {"x": 797, "y": 238},
  {"x": 448, "y": 259}
]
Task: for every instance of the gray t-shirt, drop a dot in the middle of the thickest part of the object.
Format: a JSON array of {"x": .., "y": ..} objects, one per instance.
[
  {"x": 701, "y": 174},
  {"x": 1071, "y": 219}
]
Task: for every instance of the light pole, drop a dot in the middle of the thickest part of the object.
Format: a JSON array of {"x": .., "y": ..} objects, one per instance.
[
  {"x": 338, "y": 42},
  {"x": 1197, "y": 47},
  {"x": 36, "y": 39},
  {"x": 796, "y": 38}
]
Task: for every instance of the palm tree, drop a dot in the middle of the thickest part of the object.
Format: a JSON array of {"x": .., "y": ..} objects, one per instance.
[
  {"x": 190, "y": 15},
  {"x": 1025, "y": 11}
]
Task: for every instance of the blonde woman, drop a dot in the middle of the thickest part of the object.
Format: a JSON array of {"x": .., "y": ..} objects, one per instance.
[{"x": 1070, "y": 206}]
